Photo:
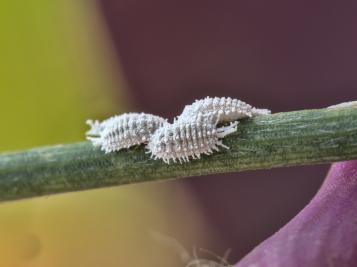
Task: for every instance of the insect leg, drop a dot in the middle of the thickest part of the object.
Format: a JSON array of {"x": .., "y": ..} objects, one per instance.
[
  {"x": 96, "y": 141},
  {"x": 224, "y": 131}
]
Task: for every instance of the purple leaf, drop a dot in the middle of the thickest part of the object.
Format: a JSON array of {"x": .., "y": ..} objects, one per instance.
[{"x": 323, "y": 234}]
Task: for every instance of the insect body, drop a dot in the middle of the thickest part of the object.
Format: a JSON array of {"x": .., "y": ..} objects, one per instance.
[
  {"x": 225, "y": 109},
  {"x": 184, "y": 140},
  {"x": 123, "y": 131}
]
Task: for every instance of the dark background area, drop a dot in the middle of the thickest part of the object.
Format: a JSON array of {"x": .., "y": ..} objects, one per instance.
[{"x": 281, "y": 55}]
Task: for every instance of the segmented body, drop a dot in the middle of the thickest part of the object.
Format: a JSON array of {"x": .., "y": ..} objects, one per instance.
[
  {"x": 225, "y": 109},
  {"x": 184, "y": 140},
  {"x": 123, "y": 131}
]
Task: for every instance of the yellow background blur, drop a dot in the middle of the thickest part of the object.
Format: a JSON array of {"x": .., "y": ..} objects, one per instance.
[{"x": 56, "y": 72}]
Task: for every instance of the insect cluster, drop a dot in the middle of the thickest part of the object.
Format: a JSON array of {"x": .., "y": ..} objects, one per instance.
[{"x": 192, "y": 134}]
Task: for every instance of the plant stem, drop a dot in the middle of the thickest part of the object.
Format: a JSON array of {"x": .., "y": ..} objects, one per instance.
[{"x": 281, "y": 139}]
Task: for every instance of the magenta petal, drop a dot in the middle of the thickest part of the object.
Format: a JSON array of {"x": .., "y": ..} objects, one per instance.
[{"x": 323, "y": 234}]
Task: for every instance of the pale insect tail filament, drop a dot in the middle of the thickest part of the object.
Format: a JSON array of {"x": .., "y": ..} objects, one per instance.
[
  {"x": 94, "y": 128},
  {"x": 260, "y": 111}
]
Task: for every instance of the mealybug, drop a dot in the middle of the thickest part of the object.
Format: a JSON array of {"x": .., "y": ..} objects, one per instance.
[
  {"x": 225, "y": 109},
  {"x": 123, "y": 131},
  {"x": 184, "y": 140}
]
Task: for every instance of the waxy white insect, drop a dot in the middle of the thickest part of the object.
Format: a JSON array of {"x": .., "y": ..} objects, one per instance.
[
  {"x": 225, "y": 109},
  {"x": 183, "y": 140},
  {"x": 123, "y": 131},
  {"x": 192, "y": 134}
]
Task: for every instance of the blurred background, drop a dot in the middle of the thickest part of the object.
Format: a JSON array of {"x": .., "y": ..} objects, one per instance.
[{"x": 64, "y": 61}]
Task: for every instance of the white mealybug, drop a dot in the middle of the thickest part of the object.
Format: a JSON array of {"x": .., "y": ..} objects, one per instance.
[
  {"x": 226, "y": 108},
  {"x": 184, "y": 140},
  {"x": 123, "y": 131}
]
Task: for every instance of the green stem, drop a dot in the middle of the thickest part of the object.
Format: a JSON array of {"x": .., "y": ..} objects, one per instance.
[{"x": 281, "y": 139}]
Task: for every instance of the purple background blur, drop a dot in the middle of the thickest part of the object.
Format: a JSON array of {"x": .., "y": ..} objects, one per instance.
[{"x": 282, "y": 55}]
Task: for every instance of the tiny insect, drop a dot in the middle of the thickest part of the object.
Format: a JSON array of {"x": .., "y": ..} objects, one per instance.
[
  {"x": 183, "y": 140},
  {"x": 225, "y": 108},
  {"x": 123, "y": 131},
  {"x": 200, "y": 262},
  {"x": 194, "y": 260}
]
